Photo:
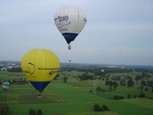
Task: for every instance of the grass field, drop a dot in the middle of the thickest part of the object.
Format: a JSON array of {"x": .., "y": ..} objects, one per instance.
[{"x": 72, "y": 98}]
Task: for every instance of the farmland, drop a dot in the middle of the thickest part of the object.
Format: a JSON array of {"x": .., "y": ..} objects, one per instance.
[{"x": 78, "y": 95}]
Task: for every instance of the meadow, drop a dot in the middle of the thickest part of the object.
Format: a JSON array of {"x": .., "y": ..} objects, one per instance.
[{"x": 71, "y": 98}]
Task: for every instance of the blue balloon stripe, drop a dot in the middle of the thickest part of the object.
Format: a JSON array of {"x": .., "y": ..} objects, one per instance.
[
  {"x": 39, "y": 85},
  {"x": 69, "y": 37}
]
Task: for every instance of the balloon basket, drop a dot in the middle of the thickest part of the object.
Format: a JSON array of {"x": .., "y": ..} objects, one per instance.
[
  {"x": 39, "y": 96},
  {"x": 69, "y": 47}
]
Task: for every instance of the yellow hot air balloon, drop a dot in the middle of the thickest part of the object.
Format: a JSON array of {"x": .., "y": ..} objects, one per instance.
[{"x": 40, "y": 66}]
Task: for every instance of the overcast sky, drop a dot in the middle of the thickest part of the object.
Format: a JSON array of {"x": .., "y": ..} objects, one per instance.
[{"x": 116, "y": 32}]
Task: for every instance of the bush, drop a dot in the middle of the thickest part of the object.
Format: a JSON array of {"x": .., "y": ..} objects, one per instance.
[
  {"x": 105, "y": 108},
  {"x": 129, "y": 96},
  {"x": 134, "y": 96},
  {"x": 39, "y": 112},
  {"x": 99, "y": 89},
  {"x": 91, "y": 91},
  {"x": 142, "y": 95},
  {"x": 32, "y": 112},
  {"x": 98, "y": 108},
  {"x": 5, "y": 110},
  {"x": 117, "y": 97},
  {"x": 65, "y": 79}
]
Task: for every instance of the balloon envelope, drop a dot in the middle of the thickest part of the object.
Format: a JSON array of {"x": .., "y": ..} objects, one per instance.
[
  {"x": 5, "y": 85},
  {"x": 69, "y": 21},
  {"x": 40, "y": 66}
]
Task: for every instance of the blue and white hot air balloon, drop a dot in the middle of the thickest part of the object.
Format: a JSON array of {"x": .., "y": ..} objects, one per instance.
[{"x": 69, "y": 21}]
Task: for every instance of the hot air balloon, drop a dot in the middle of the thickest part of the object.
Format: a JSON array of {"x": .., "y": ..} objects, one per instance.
[
  {"x": 69, "y": 21},
  {"x": 69, "y": 59},
  {"x": 5, "y": 85},
  {"x": 40, "y": 66}
]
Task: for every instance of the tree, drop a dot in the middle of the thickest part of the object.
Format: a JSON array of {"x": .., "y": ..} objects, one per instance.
[
  {"x": 84, "y": 76},
  {"x": 138, "y": 77},
  {"x": 99, "y": 108},
  {"x": 129, "y": 96},
  {"x": 96, "y": 107},
  {"x": 5, "y": 110},
  {"x": 142, "y": 95},
  {"x": 39, "y": 112},
  {"x": 122, "y": 83},
  {"x": 130, "y": 83},
  {"x": 32, "y": 112},
  {"x": 117, "y": 97},
  {"x": 65, "y": 79},
  {"x": 115, "y": 85},
  {"x": 141, "y": 88},
  {"x": 110, "y": 84},
  {"x": 143, "y": 74},
  {"x": 98, "y": 89}
]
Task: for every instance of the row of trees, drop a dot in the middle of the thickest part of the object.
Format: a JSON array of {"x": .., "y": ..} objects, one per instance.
[
  {"x": 17, "y": 69},
  {"x": 122, "y": 80},
  {"x": 86, "y": 76},
  {"x": 143, "y": 81}
]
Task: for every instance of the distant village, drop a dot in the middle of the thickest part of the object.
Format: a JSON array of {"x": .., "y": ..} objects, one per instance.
[{"x": 10, "y": 66}]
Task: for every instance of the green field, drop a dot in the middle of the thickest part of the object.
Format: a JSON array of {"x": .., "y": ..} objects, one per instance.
[{"x": 71, "y": 98}]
